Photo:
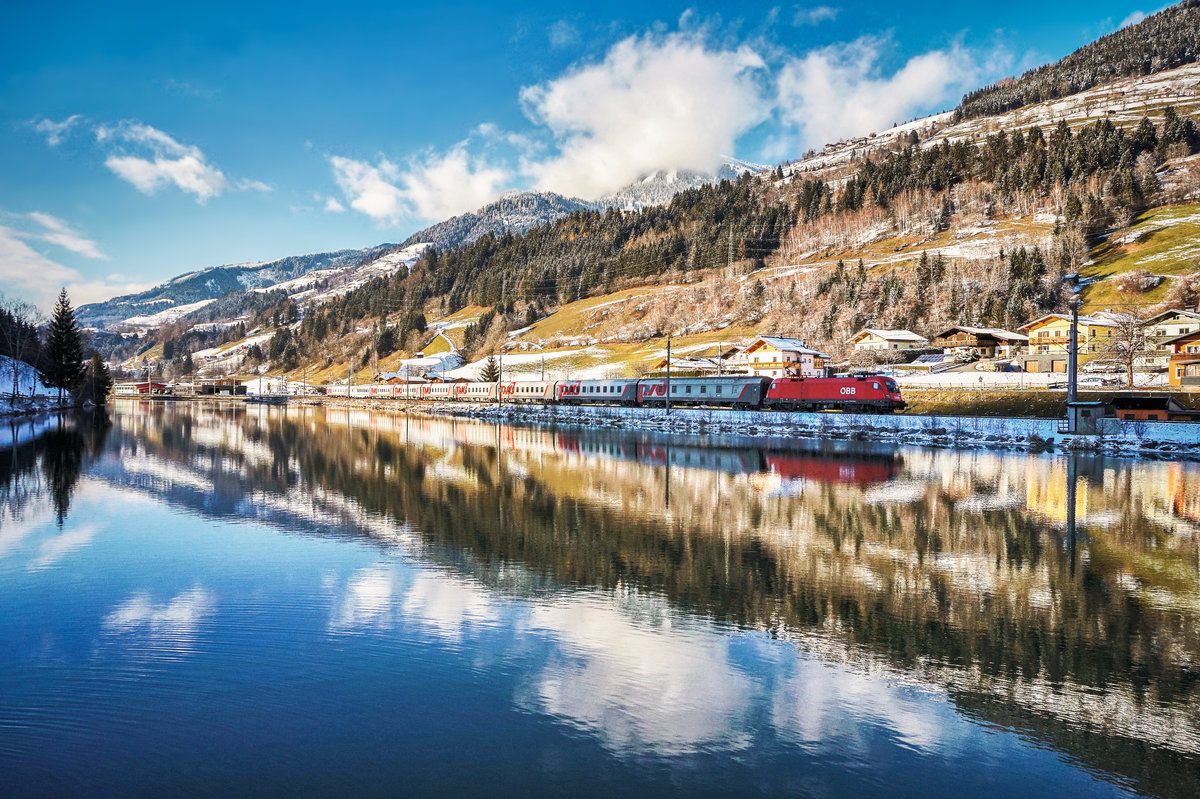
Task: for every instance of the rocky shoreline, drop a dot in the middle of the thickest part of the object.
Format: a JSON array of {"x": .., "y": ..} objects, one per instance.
[{"x": 1162, "y": 440}]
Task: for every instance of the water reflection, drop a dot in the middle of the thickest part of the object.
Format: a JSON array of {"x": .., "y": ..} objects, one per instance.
[{"x": 660, "y": 577}]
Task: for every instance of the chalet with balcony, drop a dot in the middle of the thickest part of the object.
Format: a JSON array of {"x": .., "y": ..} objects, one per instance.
[
  {"x": 871, "y": 339},
  {"x": 986, "y": 342},
  {"x": 1050, "y": 336},
  {"x": 1165, "y": 326},
  {"x": 774, "y": 356}
]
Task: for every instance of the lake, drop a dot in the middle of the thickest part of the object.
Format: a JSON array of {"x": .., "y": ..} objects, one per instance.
[{"x": 218, "y": 599}]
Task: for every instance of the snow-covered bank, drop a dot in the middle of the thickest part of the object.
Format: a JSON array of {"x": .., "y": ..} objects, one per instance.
[
  {"x": 32, "y": 395},
  {"x": 1173, "y": 440}
]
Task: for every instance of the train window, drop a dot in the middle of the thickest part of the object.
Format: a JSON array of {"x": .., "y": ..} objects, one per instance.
[
  {"x": 689, "y": 389},
  {"x": 718, "y": 390},
  {"x": 703, "y": 389},
  {"x": 875, "y": 386}
]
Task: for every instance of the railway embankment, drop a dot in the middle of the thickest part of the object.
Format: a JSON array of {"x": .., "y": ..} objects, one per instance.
[{"x": 1169, "y": 440}]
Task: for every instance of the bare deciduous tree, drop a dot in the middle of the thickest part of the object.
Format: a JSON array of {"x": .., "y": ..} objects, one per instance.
[
  {"x": 1129, "y": 342},
  {"x": 19, "y": 335}
]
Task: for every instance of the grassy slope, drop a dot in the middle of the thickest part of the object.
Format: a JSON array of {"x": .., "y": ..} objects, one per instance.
[{"x": 1167, "y": 243}]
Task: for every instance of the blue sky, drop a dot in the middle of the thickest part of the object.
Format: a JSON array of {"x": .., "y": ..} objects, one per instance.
[{"x": 141, "y": 140}]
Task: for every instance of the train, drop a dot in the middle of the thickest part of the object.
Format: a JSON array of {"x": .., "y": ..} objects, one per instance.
[{"x": 858, "y": 393}]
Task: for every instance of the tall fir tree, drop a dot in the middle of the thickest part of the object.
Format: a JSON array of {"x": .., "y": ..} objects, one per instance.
[
  {"x": 97, "y": 381},
  {"x": 64, "y": 348}
]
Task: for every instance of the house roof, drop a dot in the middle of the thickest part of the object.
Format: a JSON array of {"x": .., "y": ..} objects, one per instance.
[
  {"x": 787, "y": 345},
  {"x": 1097, "y": 319},
  {"x": 994, "y": 332},
  {"x": 1165, "y": 314},
  {"x": 888, "y": 335}
]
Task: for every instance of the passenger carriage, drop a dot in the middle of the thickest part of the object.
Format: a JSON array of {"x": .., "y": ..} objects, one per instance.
[
  {"x": 527, "y": 391},
  {"x": 361, "y": 392},
  {"x": 614, "y": 392},
  {"x": 438, "y": 391},
  {"x": 475, "y": 392},
  {"x": 734, "y": 391}
]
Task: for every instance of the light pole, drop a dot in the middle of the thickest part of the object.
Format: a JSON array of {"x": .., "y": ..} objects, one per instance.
[{"x": 667, "y": 394}]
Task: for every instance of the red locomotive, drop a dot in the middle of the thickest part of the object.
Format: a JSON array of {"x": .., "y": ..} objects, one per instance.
[{"x": 864, "y": 394}]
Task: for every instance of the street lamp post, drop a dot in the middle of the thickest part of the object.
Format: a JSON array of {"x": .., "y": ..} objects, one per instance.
[{"x": 667, "y": 394}]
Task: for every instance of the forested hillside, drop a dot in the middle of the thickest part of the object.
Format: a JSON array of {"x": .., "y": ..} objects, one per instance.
[{"x": 1162, "y": 41}]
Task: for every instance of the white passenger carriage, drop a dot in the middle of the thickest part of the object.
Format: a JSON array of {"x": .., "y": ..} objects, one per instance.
[
  {"x": 475, "y": 392},
  {"x": 527, "y": 391},
  {"x": 574, "y": 392}
]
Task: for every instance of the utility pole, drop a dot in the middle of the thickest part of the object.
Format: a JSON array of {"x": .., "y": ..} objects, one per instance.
[
  {"x": 667, "y": 394},
  {"x": 719, "y": 359},
  {"x": 500, "y": 378},
  {"x": 1073, "y": 356}
]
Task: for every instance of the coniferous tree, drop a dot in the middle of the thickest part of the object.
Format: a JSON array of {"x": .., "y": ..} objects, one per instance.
[
  {"x": 64, "y": 348},
  {"x": 97, "y": 381},
  {"x": 491, "y": 370}
]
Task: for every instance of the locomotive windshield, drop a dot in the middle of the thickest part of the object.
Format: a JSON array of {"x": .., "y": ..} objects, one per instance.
[{"x": 891, "y": 385}]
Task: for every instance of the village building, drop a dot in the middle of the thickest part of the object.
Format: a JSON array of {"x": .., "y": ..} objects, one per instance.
[
  {"x": 986, "y": 342},
  {"x": 1183, "y": 365},
  {"x": 1163, "y": 327},
  {"x": 1151, "y": 408},
  {"x": 138, "y": 389},
  {"x": 870, "y": 339},
  {"x": 1050, "y": 337},
  {"x": 774, "y": 356}
]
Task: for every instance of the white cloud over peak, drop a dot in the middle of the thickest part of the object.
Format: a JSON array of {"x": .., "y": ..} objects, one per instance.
[
  {"x": 840, "y": 91},
  {"x": 433, "y": 186},
  {"x": 368, "y": 188},
  {"x": 1133, "y": 19},
  {"x": 56, "y": 131},
  {"x": 654, "y": 102}
]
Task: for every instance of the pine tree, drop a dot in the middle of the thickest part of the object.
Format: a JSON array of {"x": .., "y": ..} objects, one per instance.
[
  {"x": 97, "y": 381},
  {"x": 491, "y": 370},
  {"x": 64, "y": 348}
]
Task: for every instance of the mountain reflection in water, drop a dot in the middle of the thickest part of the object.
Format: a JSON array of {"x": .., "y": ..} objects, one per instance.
[{"x": 700, "y": 595}]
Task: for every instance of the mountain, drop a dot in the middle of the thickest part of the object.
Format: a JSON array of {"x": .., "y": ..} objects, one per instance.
[
  {"x": 660, "y": 186},
  {"x": 515, "y": 212},
  {"x": 518, "y": 212},
  {"x": 191, "y": 291}
]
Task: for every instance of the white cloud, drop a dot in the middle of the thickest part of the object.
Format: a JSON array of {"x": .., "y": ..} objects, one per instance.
[
  {"x": 56, "y": 231},
  {"x": 562, "y": 34},
  {"x": 839, "y": 91},
  {"x": 815, "y": 15},
  {"x": 433, "y": 187},
  {"x": 654, "y": 102},
  {"x": 26, "y": 273},
  {"x": 333, "y": 206},
  {"x": 150, "y": 159},
  {"x": 55, "y": 131},
  {"x": 451, "y": 183},
  {"x": 1132, "y": 19},
  {"x": 367, "y": 188}
]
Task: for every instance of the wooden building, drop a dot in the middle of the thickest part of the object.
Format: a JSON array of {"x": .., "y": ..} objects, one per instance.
[
  {"x": 1151, "y": 408},
  {"x": 986, "y": 342}
]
